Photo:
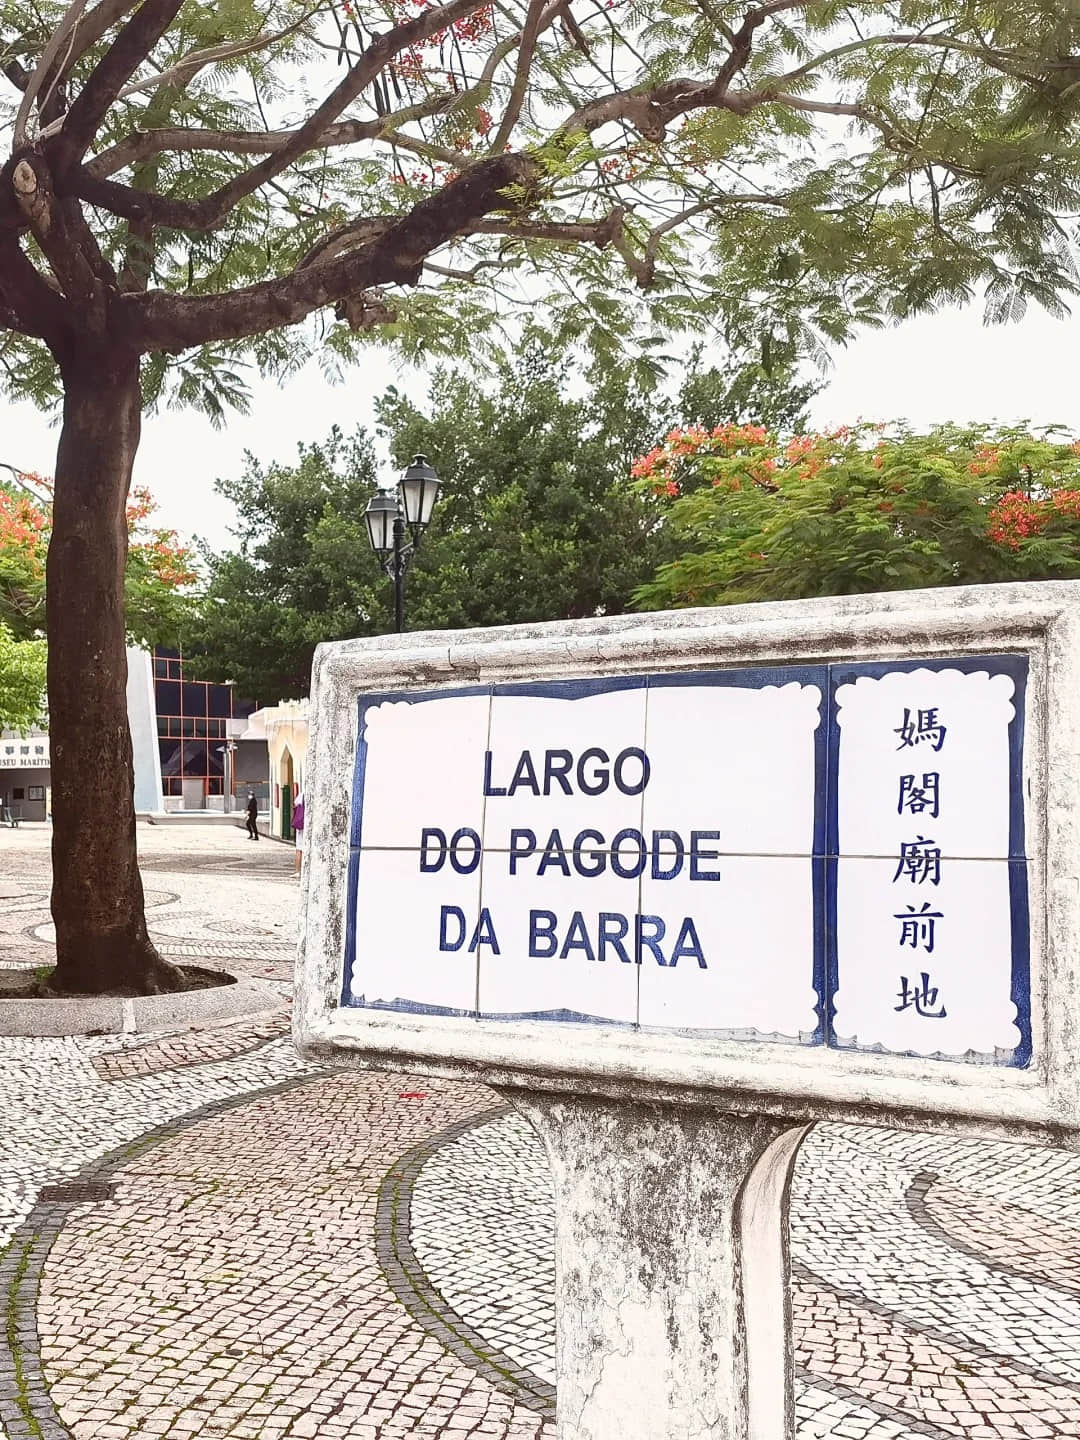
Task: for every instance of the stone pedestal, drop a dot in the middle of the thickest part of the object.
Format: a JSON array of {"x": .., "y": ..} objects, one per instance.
[{"x": 671, "y": 1269}]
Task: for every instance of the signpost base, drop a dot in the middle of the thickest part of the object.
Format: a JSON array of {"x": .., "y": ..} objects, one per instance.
[{"x": 671, "y": 1258}]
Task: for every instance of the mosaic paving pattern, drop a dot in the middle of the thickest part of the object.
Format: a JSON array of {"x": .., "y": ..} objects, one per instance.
[
  {"x": 240, "y": 1282},
  {"x": 899, "y": 1331},
  {"x": 492, "y": 1258},
  {"x": 207, "y": 898},
  {"x": 261, "y": 1310},
  {"x": 1008, "y": 1237},
  {"x": 199, "y": 1047}
]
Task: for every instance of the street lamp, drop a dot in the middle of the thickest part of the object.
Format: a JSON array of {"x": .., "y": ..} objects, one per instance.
[
  {"x": 228, "y": 752},
  {"x": 390, "y": 512}
]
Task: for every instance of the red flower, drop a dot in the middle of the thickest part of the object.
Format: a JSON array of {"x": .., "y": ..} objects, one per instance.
[{"x": 1016, "y": 517}]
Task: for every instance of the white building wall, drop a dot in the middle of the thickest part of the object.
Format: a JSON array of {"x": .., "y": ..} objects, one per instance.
[{"x": 142, "y": 719}]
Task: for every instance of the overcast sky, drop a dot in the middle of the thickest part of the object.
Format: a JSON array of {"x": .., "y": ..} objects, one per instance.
[{"x": 943, "y": 367}]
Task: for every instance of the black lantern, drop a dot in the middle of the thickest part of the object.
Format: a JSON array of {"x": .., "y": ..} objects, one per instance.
[
  {"x": 389, "y": 512},
  {"x": 381, "y": 512},
  {"x": 419, "y": 488}
]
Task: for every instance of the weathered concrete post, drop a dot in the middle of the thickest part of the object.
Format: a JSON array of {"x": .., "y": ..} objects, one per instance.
[
  {"x": 679, "y": 885},
  {"x": 671, "y": 1261}
]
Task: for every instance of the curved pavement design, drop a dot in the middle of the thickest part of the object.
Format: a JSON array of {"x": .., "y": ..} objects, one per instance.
[{"x": 279, "y": 1252}]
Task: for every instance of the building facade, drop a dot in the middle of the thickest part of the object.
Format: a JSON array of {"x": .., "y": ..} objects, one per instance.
[
  {"x": 282, "y": 733},
  {"x": 194, "y": 747},
  {"x": 24, "y": 775},
  {"x": 199, "y": 724}
]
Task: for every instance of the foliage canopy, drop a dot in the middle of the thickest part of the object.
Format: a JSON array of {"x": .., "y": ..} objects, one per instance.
[
  {"x": 158, "y": 575},
  {"x": 193, "y": 179},
  {"x": 302, "y": 570},
  {"x": 538, "y": 519},
  {"x": 861, "y": 509},
  {"x": 22, "y": 681}
]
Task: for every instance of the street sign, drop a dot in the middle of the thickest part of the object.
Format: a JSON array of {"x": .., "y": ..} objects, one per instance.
[
  {"x": 811, "y": 855},
  {"x": 823, "y": 855},
  {"x": 678, "y": 885}
]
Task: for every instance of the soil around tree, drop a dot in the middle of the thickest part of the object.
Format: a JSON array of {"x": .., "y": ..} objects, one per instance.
[{"x": 24, "y": 984}]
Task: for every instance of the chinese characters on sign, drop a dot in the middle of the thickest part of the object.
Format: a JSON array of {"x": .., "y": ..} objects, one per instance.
[
  {"x": 930, "y": 903},
  {"x": 924, "y": 727},
  {"x": 917, "y": 926},
  {"x": 819, "y": 854}
]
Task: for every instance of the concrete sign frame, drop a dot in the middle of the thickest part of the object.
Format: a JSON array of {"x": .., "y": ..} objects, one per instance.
[
  {"x": 1039, "y": 622},
  {"x": 671, "y": 1150}
]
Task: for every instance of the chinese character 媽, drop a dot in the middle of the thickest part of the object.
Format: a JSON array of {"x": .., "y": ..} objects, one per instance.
[{"x": 925, "y": 726}]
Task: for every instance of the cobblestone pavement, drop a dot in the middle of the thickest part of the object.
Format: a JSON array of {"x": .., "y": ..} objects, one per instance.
[
  {"x": 936, "y": 1285},
  {"x": 278, "y": 1252},
  {"x": 212, "y": 895}
]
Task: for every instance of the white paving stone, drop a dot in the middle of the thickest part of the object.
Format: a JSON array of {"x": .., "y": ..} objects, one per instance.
[{"x": 481, "y": 1206}]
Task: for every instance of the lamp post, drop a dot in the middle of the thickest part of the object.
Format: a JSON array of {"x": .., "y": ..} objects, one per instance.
[
  {"x": 229, "y": 781},
  {"x": 393, "y": 514}
]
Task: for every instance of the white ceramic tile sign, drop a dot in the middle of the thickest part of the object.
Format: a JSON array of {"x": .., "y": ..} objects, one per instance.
[
  {"x": 758, "y": 854},
  {"x": 930, "y": 883}
]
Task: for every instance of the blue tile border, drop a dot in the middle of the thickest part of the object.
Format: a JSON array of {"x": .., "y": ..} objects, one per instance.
[
  {"x": 827, "y": 678},
  {"x": 1021, "y": 959},
  {"x": 1016, "y": 668}
]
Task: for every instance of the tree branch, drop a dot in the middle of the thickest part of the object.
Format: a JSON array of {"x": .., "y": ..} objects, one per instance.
[
  {"x": 123, "y": 57},
  {"x": 64, "y": 237},
  {"x": 537, "y": 19},
  {"x": 836, "y": 107},
  {"x": 449, "y": 272},
  {"x": 184, "y": 71},
  {"x": 999, "y": 59},
  {"x": 16, "y": 73},
  {"x": 29, "y": 299},
  {"x": 60, "y": 37},
  {"x": 208, "y": 212},
  {"x": 576, "y": 232},
  {"x": 91, "y": 28},
  {"x": 743, "y": 39},
  {"x": 143, "y": 144},
  {"x": 346, "y": 237},
  {"x": 161, "y": 322},
  {"x": 651, "y": 111}
]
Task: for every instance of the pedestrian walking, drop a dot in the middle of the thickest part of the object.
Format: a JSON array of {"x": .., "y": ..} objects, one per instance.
[
  {"x": 252, "y": 816},
  {"x": 298, "y": 828}
]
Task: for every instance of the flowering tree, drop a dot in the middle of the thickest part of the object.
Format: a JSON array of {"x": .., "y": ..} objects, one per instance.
[
  {"x": 158, "y": 571},
  {"x": 187, "y": 183},
  {"x": 159, "y": 568},
  {"x": 24, "y": 525},
  {"x": 860, "y": 509}
]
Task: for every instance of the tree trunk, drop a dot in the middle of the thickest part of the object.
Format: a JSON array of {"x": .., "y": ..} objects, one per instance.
[{"x": 97, "y": 897}]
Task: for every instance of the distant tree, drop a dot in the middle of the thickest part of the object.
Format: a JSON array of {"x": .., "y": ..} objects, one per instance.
[
  {"x": 22, "y": 681},
  {"x": 859, "y": 509},
  {"x": 770, "y": 389},
  {"x": 302, "y": 571},
  {"x": 539, "y": 521},
  {"x": 157, "y": 576}
]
